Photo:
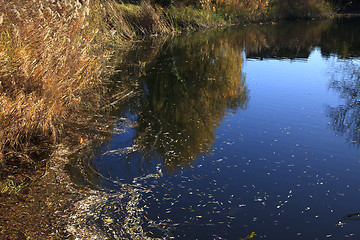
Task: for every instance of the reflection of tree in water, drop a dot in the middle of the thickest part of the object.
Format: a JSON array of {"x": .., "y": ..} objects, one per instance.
[
  {"x": 194, "y": 84},
  {"x": 346, "y": 117},
  {"x": 283, "y": 40},
  {"x": 191, "y": 84},
  {"x": 297, "y": 40},
  {"x": 342, "y": 37}
]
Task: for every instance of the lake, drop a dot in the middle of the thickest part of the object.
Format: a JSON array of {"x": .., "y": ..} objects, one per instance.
[{"x": 252, "y": 131}]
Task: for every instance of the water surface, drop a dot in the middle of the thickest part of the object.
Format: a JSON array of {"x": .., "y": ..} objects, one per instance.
[{"x": 252, "y": 129}]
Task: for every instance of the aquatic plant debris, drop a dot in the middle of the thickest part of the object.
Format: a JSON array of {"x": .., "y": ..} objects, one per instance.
[{"x": 117, "y": 215}]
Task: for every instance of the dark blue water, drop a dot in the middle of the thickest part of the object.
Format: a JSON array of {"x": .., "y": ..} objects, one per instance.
[{"x": 252, "y": 130}]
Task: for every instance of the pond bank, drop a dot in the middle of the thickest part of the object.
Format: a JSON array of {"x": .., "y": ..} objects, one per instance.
[{"x": 41, "y": 191}]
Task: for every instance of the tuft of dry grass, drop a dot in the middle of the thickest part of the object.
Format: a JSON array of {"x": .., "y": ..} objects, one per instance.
[
  {"x": 145, "y": 19},
  {"x": 45, "y": 70},
  {"x": 51, "y": 53},
  {"x": 107, "y": 21},
  {"x": 241, "y": 9}
]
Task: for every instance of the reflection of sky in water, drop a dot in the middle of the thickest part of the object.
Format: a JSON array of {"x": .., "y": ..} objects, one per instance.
[{"x": 275, "y": 169}]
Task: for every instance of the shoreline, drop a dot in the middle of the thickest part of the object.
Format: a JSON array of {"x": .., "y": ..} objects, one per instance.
[{"x": 46, "y": 191}]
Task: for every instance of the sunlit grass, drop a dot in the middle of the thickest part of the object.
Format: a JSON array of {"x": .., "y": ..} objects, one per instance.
[
  {"x": 183, "y": 17},
  {"x": 10, "y": 186},
  {"x": 51, "y": 56},
  {"x": 45, "y": 70}
]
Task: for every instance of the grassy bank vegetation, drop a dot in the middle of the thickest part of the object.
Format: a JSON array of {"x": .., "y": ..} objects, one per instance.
[
  {"x": 207, "y": 13},
  {"x": 45, "y": 73},
  {"x": 53, "y": 52},
  {"x": 51, "y": 56}
]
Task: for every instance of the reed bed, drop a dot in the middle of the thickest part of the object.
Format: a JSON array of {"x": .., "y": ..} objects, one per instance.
[
  {"x": 46, "y": 72},
  {"x": 51, "y": 56}
]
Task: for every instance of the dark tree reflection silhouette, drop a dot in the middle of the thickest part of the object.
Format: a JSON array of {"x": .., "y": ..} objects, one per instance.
[
  {"x": 184, "y": 102},
  {"x": 346, "y": 117},
  {"x": 187, "y": 85}
]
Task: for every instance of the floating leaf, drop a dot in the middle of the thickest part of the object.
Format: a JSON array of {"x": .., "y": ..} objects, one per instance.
[{"x": 108, "y": 220}]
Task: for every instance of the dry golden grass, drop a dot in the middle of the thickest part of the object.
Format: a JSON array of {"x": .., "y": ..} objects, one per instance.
[
  {"x": 249, "y": 6},
  {"x": 210, "y": 13},
  {"x": 45, "y": 68},
  {"x": 50, "y": 58},
  {"x": 145, "y": 19}
]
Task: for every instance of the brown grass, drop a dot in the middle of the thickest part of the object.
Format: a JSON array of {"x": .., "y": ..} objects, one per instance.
[
  {"x": 145, "y": 19},
  {"x": 244, "y": 8},
  {"x": 45, "y": 68},
  {"x": 50, "y": 57}
]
